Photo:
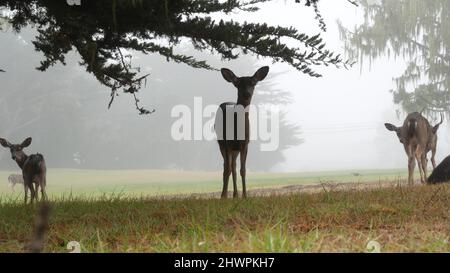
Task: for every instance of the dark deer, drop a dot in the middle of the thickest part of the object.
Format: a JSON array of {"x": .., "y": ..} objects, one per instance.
[
  {"x": 33, "y": 168},
  {"x": 237, "y": 144},
  {"x": 441, "y": 173},
  {"x": 415, "y": 135}
]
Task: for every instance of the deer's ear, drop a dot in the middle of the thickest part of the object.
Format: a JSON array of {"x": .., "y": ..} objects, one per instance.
[
  {"x": 228, "y": 75},
  {"x": 391, "y": 127},
  {"x": 5, "y": 143},
  {"x": 261, "y": 74},
  {"x": 26, "y": 142},
  {"x": 436, "y": 128}
]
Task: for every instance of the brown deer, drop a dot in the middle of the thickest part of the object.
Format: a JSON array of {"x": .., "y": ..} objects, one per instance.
[
  {"x": 416, "y": 135},
  {"x": 33, "y": 168},
  {"x": 233, "y": 145}
]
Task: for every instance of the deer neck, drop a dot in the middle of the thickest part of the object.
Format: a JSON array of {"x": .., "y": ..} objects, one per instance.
[
  {"x": 20, "y": 160},
  {"x": 244, "y": 104}
]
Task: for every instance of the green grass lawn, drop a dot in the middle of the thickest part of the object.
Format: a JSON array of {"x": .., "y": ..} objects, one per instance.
[
  {"x": 154, "y": 182},
  {"x": 399, "y": 218}
]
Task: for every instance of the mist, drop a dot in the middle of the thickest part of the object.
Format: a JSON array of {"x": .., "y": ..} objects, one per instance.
[{"x": 335, "y": 122}]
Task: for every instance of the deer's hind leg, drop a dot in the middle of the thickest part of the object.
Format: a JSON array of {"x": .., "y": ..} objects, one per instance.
[
  {"x": 433, "y": 161},
  {"x": 36, "y": 190},
  {"x": 424, "y": 164},
  {"x": 411, "y": 166},
  {"x": 43, "y": 185},
  {"x": 32, "y": 191},
  {"x": 244, "y": 151},
  {"x": 40, "y": 182},
  {"x": 25, "y": 187},
  {"x": 419, "y": 164}
]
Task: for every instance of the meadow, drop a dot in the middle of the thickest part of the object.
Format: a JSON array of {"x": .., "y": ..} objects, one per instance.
[
  {"x": 92, "y": 183},
  {"x": 399, "y": 218}
]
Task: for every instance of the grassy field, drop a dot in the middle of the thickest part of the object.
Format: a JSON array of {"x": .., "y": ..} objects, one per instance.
[
  {"x": 399, "y": 218},
  {"x": 154, "y": 182}
]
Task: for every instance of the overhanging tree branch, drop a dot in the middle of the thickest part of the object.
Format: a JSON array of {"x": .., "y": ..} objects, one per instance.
[{"x": 100, "y": 30}]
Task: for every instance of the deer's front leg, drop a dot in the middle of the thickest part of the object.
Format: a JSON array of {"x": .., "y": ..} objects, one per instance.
[
  {"x": 226, "y": 174},
  {"x": 244, "y": 170}
]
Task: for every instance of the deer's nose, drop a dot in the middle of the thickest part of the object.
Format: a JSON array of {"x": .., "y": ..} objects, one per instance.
[{"x": 246, "y": 95}]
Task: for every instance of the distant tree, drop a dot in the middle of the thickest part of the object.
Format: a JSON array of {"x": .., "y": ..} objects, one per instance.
[
  {"x": 418, "y": 31},
  {"x": 68, "y": 124},
  {"x": 105, "y": 33}
]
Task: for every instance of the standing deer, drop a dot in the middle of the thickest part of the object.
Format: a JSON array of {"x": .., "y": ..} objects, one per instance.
[
  {"x": 14, "y": 179},
  {"x": 33, "y": 168},
  {"x": 417, "y": 137},
  {"x": 232, "y": 146}
]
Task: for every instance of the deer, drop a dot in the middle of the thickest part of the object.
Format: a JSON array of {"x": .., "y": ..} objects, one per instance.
[
  {"x": 418, "y": 138},
  {"x": 237, "y": 145},
  {"x": 33, "y": 168},
  {"x": 14, "y": 179}
]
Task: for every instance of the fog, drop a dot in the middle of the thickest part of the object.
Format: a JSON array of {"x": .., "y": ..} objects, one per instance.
[
  {"x": 342, "y": 114},
  {"x": 335, "y": 122}
]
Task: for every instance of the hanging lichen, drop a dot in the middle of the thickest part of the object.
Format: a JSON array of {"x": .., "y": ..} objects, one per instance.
[{"x": 414, "y": 30}]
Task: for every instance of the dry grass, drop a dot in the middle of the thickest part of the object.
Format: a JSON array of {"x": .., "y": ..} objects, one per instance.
[{"x": 401, "y": 219}]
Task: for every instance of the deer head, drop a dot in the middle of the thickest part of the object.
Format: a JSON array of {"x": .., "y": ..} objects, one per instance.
[
  {"x": 16, "y": 150},
  {"x": 398, "y": 130},
  {"x": 245, "y": 85}
]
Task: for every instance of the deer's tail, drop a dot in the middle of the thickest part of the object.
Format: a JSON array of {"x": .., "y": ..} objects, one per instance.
[{"x": 412, "y": 125}]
